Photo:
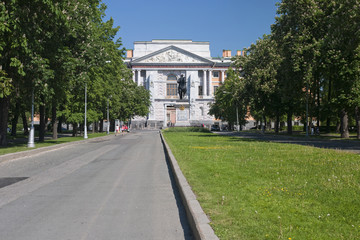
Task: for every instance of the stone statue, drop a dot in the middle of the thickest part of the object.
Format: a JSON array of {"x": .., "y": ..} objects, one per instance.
[{"x": 181, "y": 86}]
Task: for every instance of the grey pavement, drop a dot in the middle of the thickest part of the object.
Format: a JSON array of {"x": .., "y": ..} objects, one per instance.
[
  {"x": 338, "y": 144},
  {"x": 114, "y": 188}
]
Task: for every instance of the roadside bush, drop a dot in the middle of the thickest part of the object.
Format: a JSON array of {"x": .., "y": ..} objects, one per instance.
[
  {"x": 298, "y": 128},
  {"x": 187, "y": 129}
]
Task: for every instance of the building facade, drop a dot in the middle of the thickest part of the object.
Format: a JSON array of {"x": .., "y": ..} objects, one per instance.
[{"x": 159, "y": 64}]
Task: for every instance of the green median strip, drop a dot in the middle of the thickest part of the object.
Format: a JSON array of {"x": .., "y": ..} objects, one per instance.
[{"x": 262, "y": 190}]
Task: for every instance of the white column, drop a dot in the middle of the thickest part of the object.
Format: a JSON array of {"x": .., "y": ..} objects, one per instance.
[
  {"x": 210, "y": 83},
  {"x": 138, "y": 77},
  {"x": 165, "y": 115},
  {"x": 133, "y": 76},
  {"x": 205, "y": 84},
  {"x": 222, "y": 76},
  {"x": 143, "y": 79}
]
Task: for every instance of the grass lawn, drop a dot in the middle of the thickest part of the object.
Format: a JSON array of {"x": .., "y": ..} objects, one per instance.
[
  {"x": 21, "y": 144},
  {"x": 263, "y": 190}
]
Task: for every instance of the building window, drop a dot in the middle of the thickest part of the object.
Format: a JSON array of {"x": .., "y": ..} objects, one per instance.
[
  {"x": 215, "y": 74},
  {"x": 200, "y": 90},
  {"x": 171, "y": 89},
  {"x": 171, "y": 77},
  {"x": 215, "y": 88}
]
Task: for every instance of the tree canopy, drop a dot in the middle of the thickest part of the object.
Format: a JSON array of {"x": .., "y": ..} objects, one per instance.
[
  {"x": 54, "y": 49},
  {"x": 307, "y": 68}
]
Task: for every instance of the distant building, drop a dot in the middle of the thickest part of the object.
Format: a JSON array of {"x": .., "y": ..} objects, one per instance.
[{"x": 157, "y": 65}]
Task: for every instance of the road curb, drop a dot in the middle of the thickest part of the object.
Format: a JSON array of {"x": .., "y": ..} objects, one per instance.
[
  {"x": 28, "y": 153},
  {"x": 198, "y": 220}
]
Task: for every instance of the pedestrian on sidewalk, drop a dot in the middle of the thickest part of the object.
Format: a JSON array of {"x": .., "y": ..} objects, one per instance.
[{"x": 117, "y": 129}]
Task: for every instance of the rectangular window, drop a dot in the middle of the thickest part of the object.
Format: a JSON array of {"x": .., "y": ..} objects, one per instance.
[
  {"x": 216, "y": 74},
  {"x": 215, "y": 88},
  {"x": 200, "y": 90},
  {"x": 171, "y": 89}
]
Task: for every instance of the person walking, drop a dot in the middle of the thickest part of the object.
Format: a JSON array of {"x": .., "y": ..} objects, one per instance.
[{"x": 117, "y": 129}]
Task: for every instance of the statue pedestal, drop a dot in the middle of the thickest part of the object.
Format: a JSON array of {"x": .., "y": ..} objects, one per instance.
[
  {"x": 182, "y": 124},
  {"x": 182, "y": 114}
]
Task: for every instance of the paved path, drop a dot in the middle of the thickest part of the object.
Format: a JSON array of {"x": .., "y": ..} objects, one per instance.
[
  {"x": 346, "y": 145},
  {"x": 119, "y": 188}
]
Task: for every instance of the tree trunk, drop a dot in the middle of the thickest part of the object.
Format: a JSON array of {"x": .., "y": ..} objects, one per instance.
[
  {"x": 15, "y": 120},
  {"x": 289, "y": 123},
  {"x": 328, "y": 124},
  {"x": 54, "y": 121},
  {"x": 304, "y": 128},
  {"x": 59, "y": 125},
  {"x": 74, "y": 130},
  {"x": 46, "y": 121},
  {"x": 344, "y": 129},
  {"x": 357, "y": 119},
  {"x": 61, "y": 120},
  {"x": 263, "y": 128},
  {"x": 25, "y": 123},
  {"x": 42, "y": 123},
  {"x": 318, "y": 104},
  {"x": 101, "y": 125},
  {"x": 4, "y": 115},
  {"x": 93, "y": 127},
  {"x": 329, "y": 108},
  {"x": 277, "y": 122},
  {"x": 338, "y": 127},
  {"x": 97, "y": 126},
  {"x": 112, "y": 125}
]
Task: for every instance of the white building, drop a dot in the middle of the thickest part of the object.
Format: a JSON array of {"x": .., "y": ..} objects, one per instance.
[{"x": 157, "y": 65}]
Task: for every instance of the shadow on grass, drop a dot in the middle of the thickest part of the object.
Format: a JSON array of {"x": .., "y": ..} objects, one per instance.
[
  {"x": 232, "y": 138},
  {"x": 336, "y": 144}
]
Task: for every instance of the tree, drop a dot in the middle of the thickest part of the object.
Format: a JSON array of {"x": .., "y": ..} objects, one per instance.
[
  {"x": 230, "y": 100},
  {"x": 342, "y": 61},
  {"x": 260, "y": 69},
  {"x": 297, "y": 31},
  {"x": 23, "y": 30},
  {"x": 54, "y": 49}
]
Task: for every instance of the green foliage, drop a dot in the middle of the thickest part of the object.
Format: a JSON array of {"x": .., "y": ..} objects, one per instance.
[
  {"x": 309, "y": 61},
  {"x": 260, "y": 77},
  {"x": 54, "y": 48},
  {"x": 229, "y": 97},
  {"x": 6, "y": 86},
  {"x": 298, "y": 128}
]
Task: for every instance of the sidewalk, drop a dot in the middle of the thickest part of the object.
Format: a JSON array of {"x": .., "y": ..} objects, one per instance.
[{"x": 33, "y": 151}]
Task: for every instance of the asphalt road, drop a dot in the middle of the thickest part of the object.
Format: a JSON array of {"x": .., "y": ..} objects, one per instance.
[{"x": 118, "y": 188}]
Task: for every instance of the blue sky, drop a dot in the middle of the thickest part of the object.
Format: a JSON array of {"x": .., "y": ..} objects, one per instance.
[{"x": 226, "y": 24}]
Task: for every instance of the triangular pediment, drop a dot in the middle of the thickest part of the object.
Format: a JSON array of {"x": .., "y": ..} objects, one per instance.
[{"x": 172, "y": 55}]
